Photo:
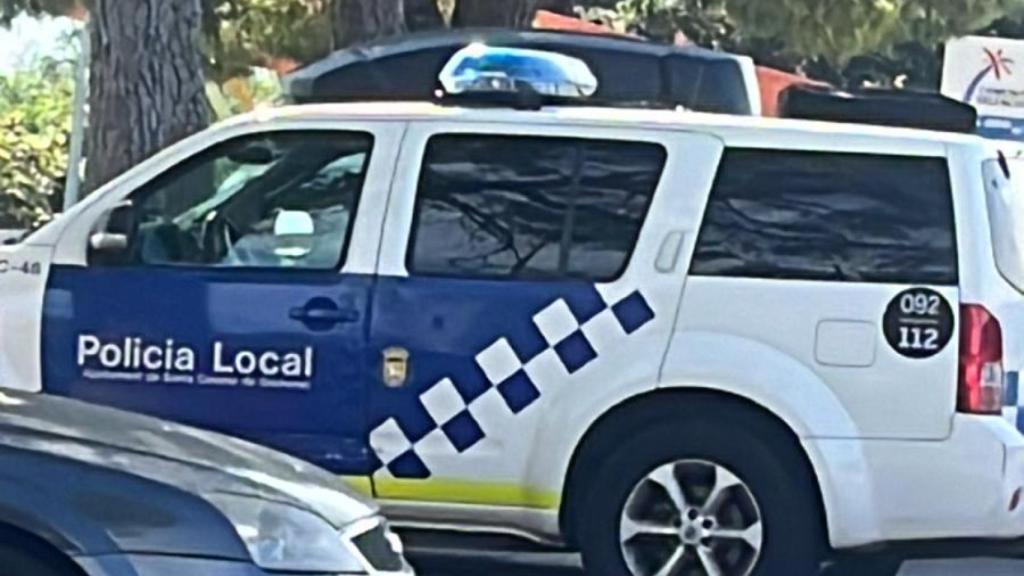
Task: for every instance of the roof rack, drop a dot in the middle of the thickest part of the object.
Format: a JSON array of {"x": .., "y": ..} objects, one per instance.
[
  {"x": 630, "y": 71},
  {"x": 900, "y": 108}
]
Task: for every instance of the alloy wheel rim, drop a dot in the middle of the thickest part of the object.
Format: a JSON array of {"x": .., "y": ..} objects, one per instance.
[{"x": 691, "y": 518}]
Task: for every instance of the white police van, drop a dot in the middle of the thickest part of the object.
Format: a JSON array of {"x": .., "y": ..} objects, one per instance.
[{"x": 685, "y": 343}]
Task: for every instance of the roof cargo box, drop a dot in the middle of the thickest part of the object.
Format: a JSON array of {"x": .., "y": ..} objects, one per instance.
[{"x": 903, "y": 108}]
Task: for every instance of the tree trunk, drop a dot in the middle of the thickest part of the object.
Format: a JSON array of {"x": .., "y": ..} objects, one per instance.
[
  {"x": 355, "y": 21},
  {"x": 423, "y": 15},
  {"x": 146, "y": 88},
  {"x": 494, "y": 13}
]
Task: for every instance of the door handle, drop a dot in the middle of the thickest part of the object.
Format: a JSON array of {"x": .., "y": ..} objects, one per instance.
[
  {"x": 324, "y": 315},
  {"x": 668, "y": 254}
]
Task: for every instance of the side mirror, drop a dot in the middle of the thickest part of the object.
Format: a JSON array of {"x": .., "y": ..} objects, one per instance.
[
  {"x": 115, "y": 233},
  {"x": 107, "y": 242},
  {"x": 293, "y": 234}
]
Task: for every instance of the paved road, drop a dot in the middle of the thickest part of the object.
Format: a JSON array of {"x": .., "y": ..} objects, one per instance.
[{"x": 512, "y": 564}]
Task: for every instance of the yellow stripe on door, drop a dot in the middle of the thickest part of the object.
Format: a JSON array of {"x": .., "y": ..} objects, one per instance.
[{"x": 458, "y": 492}]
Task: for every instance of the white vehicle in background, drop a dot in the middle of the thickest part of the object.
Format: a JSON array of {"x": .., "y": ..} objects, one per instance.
[
  {"x": 684, "y": 343},
  {"x": 983, "y": 71}
]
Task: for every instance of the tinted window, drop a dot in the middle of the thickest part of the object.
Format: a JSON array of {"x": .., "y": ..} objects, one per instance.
[
  {"x": 530, "y": 207},
  {"x": 818, "y": 216},
  {"x": 284, "y": 199}
]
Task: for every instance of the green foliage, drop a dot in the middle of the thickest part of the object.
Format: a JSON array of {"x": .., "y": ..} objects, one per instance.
[
  {"x": 838, "y": 30},
  {"x": 244, "y": 93},
  {"x": 241, "y": 34},
  {"x": 35, "y": 123},
  {"x": 704, "y": 22},
  {"x": 834, "y": 29},
  {"x": 846, "y": 42},
  {"x": 932, "y": 22},
  {"x": 11, "y": 8},
  {"x": 238, "y": 33}
]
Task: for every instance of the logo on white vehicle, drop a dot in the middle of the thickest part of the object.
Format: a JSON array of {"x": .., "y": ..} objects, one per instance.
[
  {"x": 133, "y": 359},
  {"x": 918, "y": 323},
  {"x": 995, "y": 64}
]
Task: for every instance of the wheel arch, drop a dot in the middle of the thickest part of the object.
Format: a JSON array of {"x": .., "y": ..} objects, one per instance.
[
  {"x": 655, "y": 407},
  {"x": 44, "y": 549}
]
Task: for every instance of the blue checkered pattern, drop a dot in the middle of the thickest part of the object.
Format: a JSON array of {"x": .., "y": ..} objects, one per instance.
[
  {"x": 1012, "y": 401},
  {"x": 453, "y": 407}
]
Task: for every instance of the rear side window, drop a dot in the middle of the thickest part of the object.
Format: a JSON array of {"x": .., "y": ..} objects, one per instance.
[
  {"x": 507, "y": 207},
  {"x": 827, "y": 216}
]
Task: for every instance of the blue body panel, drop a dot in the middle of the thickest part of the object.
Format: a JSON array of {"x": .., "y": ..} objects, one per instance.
[
  {"x": 443, "y": 323},
  {"x": 227, "y": 321},
  {"x": 1001, "y": 128},
  {"x": 446, "y": 323}
]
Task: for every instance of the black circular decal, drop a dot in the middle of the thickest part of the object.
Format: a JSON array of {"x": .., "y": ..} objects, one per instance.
[{"x": 918, "y": 323}]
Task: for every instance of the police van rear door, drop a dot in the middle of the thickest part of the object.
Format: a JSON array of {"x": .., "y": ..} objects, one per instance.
[
  {"x": 845, "y": 260},
  {"x": 241, "y": 301}
]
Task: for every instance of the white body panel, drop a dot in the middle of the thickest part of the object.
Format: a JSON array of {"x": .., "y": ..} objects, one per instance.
[
  {"x": 780, "y": 331},
  {"x": 21, "y": 314},
  {"x": 890, "y": 490},
  {"x": 753, "y": 85}
]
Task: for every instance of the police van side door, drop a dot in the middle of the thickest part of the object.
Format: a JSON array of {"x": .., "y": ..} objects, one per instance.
[
  {"x": 240, "y": 300},
  {"x": 526, "y": 272}
]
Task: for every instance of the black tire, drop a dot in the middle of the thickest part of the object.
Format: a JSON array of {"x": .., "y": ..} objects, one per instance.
[
  {"x": 864, "y": 565},
  {"x": 752, "y": 447},
  {"x": 20, "y": 562}
]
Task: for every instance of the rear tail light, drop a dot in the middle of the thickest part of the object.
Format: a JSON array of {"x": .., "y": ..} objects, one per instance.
[{"x": 981, "y": 361}]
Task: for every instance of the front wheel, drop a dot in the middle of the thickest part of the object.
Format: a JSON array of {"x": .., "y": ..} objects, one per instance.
[{"x": 702, "y": 498}]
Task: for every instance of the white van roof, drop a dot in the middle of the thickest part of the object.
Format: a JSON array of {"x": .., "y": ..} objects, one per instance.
[{"x": 747, "y": 131}]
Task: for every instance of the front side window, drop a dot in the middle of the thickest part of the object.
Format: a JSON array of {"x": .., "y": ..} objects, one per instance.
[
  {"x": 283, "y": 199},
  {"x": 531, "y": 207},
  {"x": 829, "y": 216}
]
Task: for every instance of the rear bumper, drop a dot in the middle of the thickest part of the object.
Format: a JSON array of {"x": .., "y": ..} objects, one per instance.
[
  {"x": 944, "y": 549},
  {"x": 883, "y": 492},
  {"x": 150, "y": 565}
]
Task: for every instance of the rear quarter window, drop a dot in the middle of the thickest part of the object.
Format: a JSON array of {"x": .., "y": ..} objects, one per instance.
[{"x": 798, "y": 215}]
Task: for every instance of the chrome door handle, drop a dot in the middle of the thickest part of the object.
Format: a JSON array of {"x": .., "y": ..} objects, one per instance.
[{"x": 336, "y": 316}]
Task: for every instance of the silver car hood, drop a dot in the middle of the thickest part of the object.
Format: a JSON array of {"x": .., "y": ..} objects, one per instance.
[{"x": 187, "y": 458}]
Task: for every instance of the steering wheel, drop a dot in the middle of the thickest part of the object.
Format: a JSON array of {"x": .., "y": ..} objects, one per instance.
[{"x": 218, "y": 235}]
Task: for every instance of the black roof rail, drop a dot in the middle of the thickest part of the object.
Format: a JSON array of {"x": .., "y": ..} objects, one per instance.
[{"x": 900, "y": 108}]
